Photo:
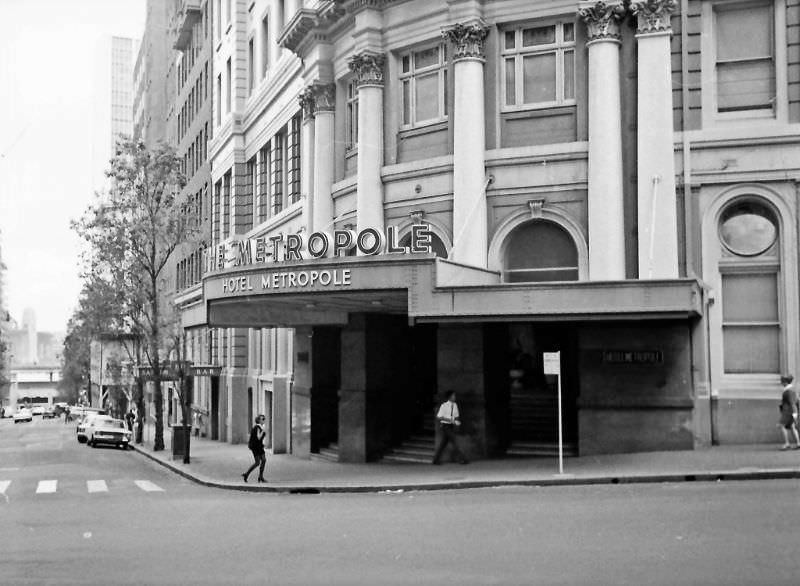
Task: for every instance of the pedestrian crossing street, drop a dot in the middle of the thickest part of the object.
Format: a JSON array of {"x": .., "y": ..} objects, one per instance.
[{"x": 48, "y": 486}]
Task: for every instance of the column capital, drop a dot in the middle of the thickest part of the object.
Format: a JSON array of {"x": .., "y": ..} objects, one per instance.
[
  {"x": 653, "y": 15},
  {"x": 368, "y": 68},
  {"x": 318, "y": 97},
  {"x": 468, "y": 40},
  {"x": 602, "y": 19},
  {"x": 306, "y": 101}
]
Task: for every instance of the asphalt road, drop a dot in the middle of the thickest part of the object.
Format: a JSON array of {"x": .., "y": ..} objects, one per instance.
[{"x": 144, "y": 525}]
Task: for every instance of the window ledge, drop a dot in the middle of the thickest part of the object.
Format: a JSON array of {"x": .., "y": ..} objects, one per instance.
[
  {"x": 422, "y": 130},
  {"x": 538, "y": 112}
]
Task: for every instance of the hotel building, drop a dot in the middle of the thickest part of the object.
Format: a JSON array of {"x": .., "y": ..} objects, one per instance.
[{"x": 410, "y": 196}]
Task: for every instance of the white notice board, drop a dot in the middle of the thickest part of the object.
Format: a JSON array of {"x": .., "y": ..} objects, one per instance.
[{"x": 552, "y": 362}]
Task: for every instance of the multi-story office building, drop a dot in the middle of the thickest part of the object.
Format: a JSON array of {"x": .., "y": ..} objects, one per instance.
[
  {"x": 152, "y": 95},
  {"x": 476, "y": 195},
  {"x": 123, "y": 58}
]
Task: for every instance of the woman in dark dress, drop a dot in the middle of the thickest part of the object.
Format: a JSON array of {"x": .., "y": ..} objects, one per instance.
[{"x": 789, "y": 412}]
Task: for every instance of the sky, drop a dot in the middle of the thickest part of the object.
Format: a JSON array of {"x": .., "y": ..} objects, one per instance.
[{"x": 51, "y": 53}]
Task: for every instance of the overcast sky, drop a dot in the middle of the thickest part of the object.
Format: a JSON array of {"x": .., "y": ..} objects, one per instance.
[{"x": 48, "y": 165}]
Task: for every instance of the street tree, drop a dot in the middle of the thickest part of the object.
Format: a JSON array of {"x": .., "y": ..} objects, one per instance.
[{"x": 132, "y": 234}]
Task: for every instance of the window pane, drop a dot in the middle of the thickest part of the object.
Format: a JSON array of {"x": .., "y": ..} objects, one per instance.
[
  {"x": 569, "y": 32},
  {"x": 406, "y": 64},
  {"x": 569, "y": 75},
  {"x": 539, "y": 78},
  {"x": 541, "y": 251},
  {"x": 751, "y": 349},
  {"x": 750, "y": 297},
  {"x": 406, "y": 103},
  {"x": 510, "y": 39},
  {"x": 426, "y": 58},
  {"x": 746, "y": 85},
  {"x": 543, "y": 35},
  {"x": 744, "y": 33},
  {"x": 511, "y": 86},
  {"x": 427, "y": 97},
  {"x": 444, "y": 79},
  {"x": 748, "y": 229}
]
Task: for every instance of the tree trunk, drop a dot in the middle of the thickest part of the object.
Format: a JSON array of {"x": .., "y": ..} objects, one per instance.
[
  {"x": 158, "y": 406},
  {"x": 140, "y": 410},
  {"x": 186, "y": 397}
]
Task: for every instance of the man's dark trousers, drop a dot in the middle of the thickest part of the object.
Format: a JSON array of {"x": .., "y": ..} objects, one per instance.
[{"x": 448, "y": 436}]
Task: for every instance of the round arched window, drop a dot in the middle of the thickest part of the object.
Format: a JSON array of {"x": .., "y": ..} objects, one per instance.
[
  {"x": 540, "y": 251},
  {"x": 748, "y": 228}
]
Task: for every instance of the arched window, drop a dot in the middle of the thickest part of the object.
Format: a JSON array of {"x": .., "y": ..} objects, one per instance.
[
  {"x": 540, "y": 251},
  {"x": 750, "y": 271},
  {"x": 437, "y": 246}
]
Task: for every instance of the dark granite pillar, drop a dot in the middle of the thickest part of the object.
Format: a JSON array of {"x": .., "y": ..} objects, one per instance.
[{"x": 461, "y": 368}]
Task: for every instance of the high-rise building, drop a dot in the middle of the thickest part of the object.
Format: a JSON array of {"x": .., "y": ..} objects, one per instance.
[
  {"x": 152, "y": 95},
  {"x": 123, "y": 58}
]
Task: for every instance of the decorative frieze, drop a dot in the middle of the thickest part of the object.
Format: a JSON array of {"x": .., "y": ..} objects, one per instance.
[
  {"x": 602, "y": 19},
  {"x": 654, "y": 15},
  {"x": 368, "y": 68},
  {"x": 468, "y": 40}
]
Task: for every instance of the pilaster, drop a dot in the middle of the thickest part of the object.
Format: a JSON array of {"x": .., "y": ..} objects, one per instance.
[
  {"x": 368, "y": 68},
  {"x": 605, "y": 194},
  {"x": 470, "y": 236},
  {"x": 657, "y": 215},
  {"x": 318, "y": 100}
]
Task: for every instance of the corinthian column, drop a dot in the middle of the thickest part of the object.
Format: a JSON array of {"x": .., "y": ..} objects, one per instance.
[
  {"x": 306, "y": 100},
  {"x": 368, "y": 68},
  {"x": 606, "y": 216},
  {"x": 320, "y": 103},
  {"x": 658, "y": 217},
  {"x": 470, "y": 240}
]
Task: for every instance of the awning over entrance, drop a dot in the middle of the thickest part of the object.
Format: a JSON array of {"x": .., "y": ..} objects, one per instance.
[{"x": 427, "y": 289}]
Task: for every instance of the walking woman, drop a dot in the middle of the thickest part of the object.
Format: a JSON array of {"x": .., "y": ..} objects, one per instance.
[{"x": 256, "y": 445}]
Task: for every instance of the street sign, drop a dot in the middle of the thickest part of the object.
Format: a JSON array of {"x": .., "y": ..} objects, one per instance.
[
  {"x": 204, "y": 370},
  {"x": 552, "y": 362}
]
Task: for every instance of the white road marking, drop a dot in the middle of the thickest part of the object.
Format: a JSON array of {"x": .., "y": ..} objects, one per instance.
[
  {"x": 4, "y": 486},
  {"x": 148, "y": 486},
  {"x": 96, "y": 486},
  {"x": 8, "y": 469},
  {"x": 47, "y": 486}
]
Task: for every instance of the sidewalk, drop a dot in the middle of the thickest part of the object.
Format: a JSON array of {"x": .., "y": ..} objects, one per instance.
[{"x": 219, "y": 464}]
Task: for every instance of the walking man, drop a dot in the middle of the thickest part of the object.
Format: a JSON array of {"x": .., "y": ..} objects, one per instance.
[
  {"x": 449, "y": 420},
  {"x": 256, "y": 445},
  {"x": 789, "y": 412}
]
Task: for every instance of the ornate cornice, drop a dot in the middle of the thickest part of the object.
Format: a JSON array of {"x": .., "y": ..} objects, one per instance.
[
  {"x": 654, "y": 15},
  {"x": 368, "y": 68},
  {"x": 468, "y": 40},
  {"x": 602, "y": 19}
]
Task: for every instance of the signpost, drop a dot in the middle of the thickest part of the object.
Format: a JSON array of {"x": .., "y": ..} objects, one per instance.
[{"x": 552, "y": 365}]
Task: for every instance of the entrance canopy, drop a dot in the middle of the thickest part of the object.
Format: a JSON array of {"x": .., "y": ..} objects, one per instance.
[{"x": 426, "y": 289}]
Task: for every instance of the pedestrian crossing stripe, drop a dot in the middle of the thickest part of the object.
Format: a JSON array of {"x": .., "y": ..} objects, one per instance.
[
  {"x": 96, "y": 486},
  {"x": 148, "y": 486},
  {"x": 92, "y": 486},
  {"x": 47, "y": 486}
]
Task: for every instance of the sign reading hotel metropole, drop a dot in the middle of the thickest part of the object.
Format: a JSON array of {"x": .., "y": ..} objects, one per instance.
[{"x": 266, "y": 252}]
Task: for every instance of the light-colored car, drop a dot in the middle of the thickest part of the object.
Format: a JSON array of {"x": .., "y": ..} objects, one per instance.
[
  {"x": 23, "y": 414},
  {"x": 85, "y": 424},
  {"x": 38, "y": 410},
  {"x": 108, "y": 431}
]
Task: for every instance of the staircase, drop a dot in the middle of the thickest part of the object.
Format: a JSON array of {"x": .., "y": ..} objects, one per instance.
[
  {"x": 329, "y": 453},
  {"x": 534, "y": 426},
  {"x": 418, "y": 448}
]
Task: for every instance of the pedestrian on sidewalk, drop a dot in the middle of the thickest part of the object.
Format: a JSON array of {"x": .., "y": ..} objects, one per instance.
[
  {"x": 790, "y": 407},
  {"x": 256, "y": 445},
  {"x": 449, "y": 420},
  {"x": 130, "y": 416}
]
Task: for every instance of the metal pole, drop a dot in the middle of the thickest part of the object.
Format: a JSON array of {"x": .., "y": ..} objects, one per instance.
[{"x": 560, "y": 426}]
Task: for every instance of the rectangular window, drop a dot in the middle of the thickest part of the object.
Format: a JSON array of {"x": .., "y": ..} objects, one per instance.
[
  {"x": 423, "y": 79},
  {"x": 750, "y": 331},
  {"x": 539, "y": 66},
  {"x": 218, "y": 19},
  {"x": 293, "y": 160},
  {"x": 226, "y": 205},
  {"x": 251, "y": 65},
  {"x": 262, "y": 201},
  {"x": 219, "y": 99},
  {"x": 264, "y": 46},
  {"x": 228, "y": 86},
  {"x": 351, "y": 139},
  {"x": 745, "y": 56},
  {"x": 252, "y": 179},
  {"x": 276, "y": 171},
  {"x": 216, "y": 211}
]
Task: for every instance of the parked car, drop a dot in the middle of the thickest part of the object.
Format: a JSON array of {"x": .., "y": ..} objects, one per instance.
[
  {"x": 23, "y": 414},
  {"x": 108, "y": 431},
  {"x": 85, "y": 422},
  {"x": 49, "y": 412},
  {"x": 38, "y": 410}
]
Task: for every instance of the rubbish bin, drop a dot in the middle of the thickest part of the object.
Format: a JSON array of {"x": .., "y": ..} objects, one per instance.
[{"x": 180, "y": 442}]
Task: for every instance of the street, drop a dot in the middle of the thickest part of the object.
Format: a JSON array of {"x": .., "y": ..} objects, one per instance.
[{"x": 71, "y": 514}]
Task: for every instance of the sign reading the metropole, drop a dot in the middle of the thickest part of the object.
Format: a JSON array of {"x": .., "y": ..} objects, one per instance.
[{"x": 255, "y": 252}]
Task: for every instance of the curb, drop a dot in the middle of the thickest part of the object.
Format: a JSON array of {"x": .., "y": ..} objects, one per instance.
[{"x": 655, "y": 478}]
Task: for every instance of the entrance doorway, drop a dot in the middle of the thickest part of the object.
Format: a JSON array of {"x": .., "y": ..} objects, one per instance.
[
  {"x": 214, "y": 407},
  {"x": 326, "y": 374},
  {"x": 531, "y": 402}
]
